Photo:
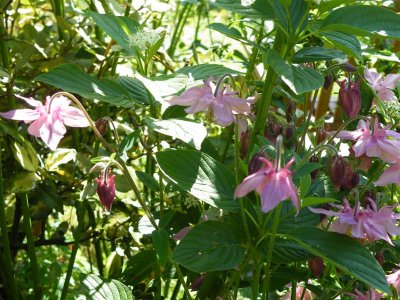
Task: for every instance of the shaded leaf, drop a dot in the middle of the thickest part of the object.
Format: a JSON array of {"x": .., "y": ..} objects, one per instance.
[
  {"x": 205, "y": 71},
  {"x": 310, "y": 54},
  {"x": 210, "y": 246},
  {"x": 345, "y": 42},
  {"x": 200, "y": 175}
]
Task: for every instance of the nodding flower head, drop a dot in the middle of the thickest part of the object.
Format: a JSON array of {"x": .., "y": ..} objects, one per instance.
[{"x": 106, "y": 189}]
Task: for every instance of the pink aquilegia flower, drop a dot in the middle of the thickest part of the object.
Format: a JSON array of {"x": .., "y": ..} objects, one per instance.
[
  {"x": 382, "y": 87},
  {"x": 394, "y": 279},
  {"x": 106, "y": 189},
  {"x": 371, "y": 294},
  {"x": 273, "y": 185},
  {"x": 390, "y": 175},
  {"x": 363, "y": 223},
  {"x": 381, "y": 142},
  {"x": 223, "y": 106},
  {"x": 48, "y": 120}
]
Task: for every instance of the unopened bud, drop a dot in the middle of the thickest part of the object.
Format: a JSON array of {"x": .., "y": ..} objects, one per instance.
[
  {"x": 350, "y": 179},
  {"x": 316, "y": 266},
  {"x": 348, "y": 67},
  {"x": 244, "y": 143},
  {"x": 321, "y": 136},
  {"x": 289, "y": 132},
  {"x": 336, "y": 169},
  {"x": 380, "y": 257},
  {"x": 290, "y": 111},
  {"x": 328, "y": 80},
  {"x": 102, "y": 126},
  {"x": 350, "y": 98},
  {"x": 314, "y": 159},
  {"x": 106, "y": 189},
  {"x": 196, "y": 284},
  {"x": 255, "y": 163}
]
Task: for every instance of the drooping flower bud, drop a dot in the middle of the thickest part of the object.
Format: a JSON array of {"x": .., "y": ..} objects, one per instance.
[
  {"x": 350, "y": 178},
  {"x": 336, "y": 170},
  {"x": 321, "y": 136},
  {"x": 244, "y": 143},
  {"x": 102, "y": 126},
  {"x": 348, "y": 67},
  {"x": 316, "y": 266},
  {"x": 255, "y": 163},
  {"x": 328, "y": 79},
  {"x": 197, "y": 282},
  {"x": 314, "y": 159},
  {"x": 350, "y": 98},
  {"x": 290, "y": 111},
  {"x": 106, "y": 189}
]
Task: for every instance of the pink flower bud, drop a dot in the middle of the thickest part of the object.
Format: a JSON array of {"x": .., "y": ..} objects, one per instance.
[
  {"x": 350, "y": 98},
  {"x": 316, "y": 266},
  {"x": 336, "y": 170},
  {"x": 106, "y": 189}
]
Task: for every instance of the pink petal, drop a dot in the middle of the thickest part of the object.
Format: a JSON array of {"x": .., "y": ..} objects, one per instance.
[
  {"x": 271, "y": 195},
  {"x": 26, "y": 114},
  {"x": 74, "y": 117},
  {"x": 348, "y": 135},
  {"x": 391, "y": 81},
  {"x": 57, "y": 103},
  {"x": 250, "y": 183},
  {"x": 30, "y": 101},
  {"x": 52, "y": 133},
  {"x": 386, "y": 95},
  {"x": 390, "y": 175},
  {"x": 371, "y": 76},
  {"x": 35, "y": 127},
  {"x": 223, "y": 115}
]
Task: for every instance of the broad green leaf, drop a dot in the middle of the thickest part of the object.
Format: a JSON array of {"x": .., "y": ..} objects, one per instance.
[
  {"x": 147, "y": 180},
  {"x": 48, "y": 195},
  {"x": 58, "y": 157},
  {"x": 24, "y": 182},
  {"x": 305, "y": 184},
  {"x": 200, "y": 175},
  {"x": 298, "y": 78},
  {"x": 363, "y": 20},
  {"x": 25, "y": 154},
  {"x": 310, "y": 54},
  {"x": 96, "y": 287},
  {"x": 205, "y": 71},
  {"x": 259, "y": 9},
  {"x": 161, "y": 245},
  {"x": 129, "y": 140},
  {"x": 135, "y": 88},
  {"x": 345, "y": 42},
  {"x": 326, "y": 5},
  {"x": 113, "y": 268},
  {"x": 343, "y": 252},
  {"x": 118, "y": 27},
  {"x": 210, "y": 246},
  {"x": 71, "y": 78},
  {"x": 231, "y": 32},
  {"x": 290, "y": 219},
  {"x": 286, "y": 251},
  {"x": 186, "y": 130}
]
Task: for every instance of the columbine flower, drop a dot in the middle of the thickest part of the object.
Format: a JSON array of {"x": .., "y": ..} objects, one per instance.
[
  {"x": 223, "y": 106},
  {"x": 372, "y": 294},
  {"x": 106, "y": 189},
  {"x": 273, "y": 185},
  {"x": 382, "y": 87},
  {"x": 49, "y": 120},
  {"x": 382, "y": 142},
  {"x": 394, "y": 279},
  {"x": 363, "y": 223},
  {"x": 302, "y": 293},
  {"x": 390, "y": 175},
  {"x": 350, "y": 98}
]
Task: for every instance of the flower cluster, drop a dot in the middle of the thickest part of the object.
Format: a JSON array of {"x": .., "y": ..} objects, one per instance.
[
  {"x": 144, "y": 39},
  {"x": 363, "y": 223},
  {"x": 49, "y": 120},
  {"x": 222, "y": 105},
  {"x": 273, "y": 185}
]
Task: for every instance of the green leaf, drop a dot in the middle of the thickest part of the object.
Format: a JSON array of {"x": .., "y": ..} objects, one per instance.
[
  {"x": 210, "y": 246},
  {"x": 186, "y": 130},
  {"x": 118, "y": 27},
  {"x": 139, "y": 267},
  {"x": 161, "y": 245},
  {"x": 231, "y": 32},
  {"x": 312, "y": 201},
  {"x": 147, "y": 180},
  {"x": 310, "y": 54},
  {"x": 343, "y": 252},
  {"x": 25, "y": 154},
  {"x": 135, "y": 89},
  {"x": 71, "y": 78},
  {"x": 129, "y": 140},
  {"x": 363, "y": 20},
  {"x": 200, "y": 175},
  {"x": 58, "y": 157},
  {"x": 260, "y": 9},
  {"x": 96, "y": 287},
  {"x": 305, "y": 184},
  {"x": 345, "y": 42},
  {"x": 298, "y": 78},
  {"x": 205, "y": 71}
]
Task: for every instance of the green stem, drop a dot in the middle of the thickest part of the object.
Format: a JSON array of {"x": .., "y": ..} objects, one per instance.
[
  {"x": 31, "y": 245},
  {"x": 303, "y": 137},
  {"x": 271, "y": 244},
  {"x": 4, "y": 45},
  {"x": 182, "y": 280},
  {"x": 184, "y": 13},
  {"x": 58, "y": 7},
  {"x": 8, "y": 262}
]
